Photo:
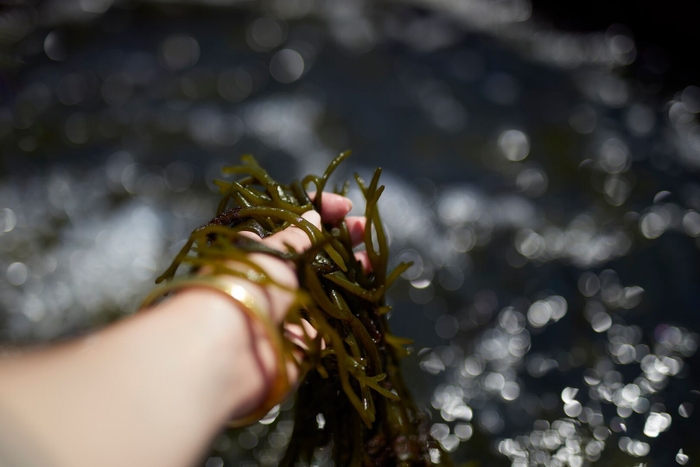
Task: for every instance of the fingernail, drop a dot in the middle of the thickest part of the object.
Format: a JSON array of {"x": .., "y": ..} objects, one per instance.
[{"x": 349, "y": 204}]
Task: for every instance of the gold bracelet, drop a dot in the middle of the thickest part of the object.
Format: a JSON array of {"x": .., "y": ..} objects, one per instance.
[{"x": 249, "y": 305}]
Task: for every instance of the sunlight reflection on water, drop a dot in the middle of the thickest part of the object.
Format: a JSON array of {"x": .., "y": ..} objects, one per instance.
[{"x": 550, "y": 207}]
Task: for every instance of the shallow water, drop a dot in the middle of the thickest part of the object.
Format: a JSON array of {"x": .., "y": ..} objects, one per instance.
[{"x": 550, "y": 205}]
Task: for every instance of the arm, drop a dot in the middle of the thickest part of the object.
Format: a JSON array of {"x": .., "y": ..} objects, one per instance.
[
  {"x": 155, "y": 388},
  {"x": 151, "y": 390}
]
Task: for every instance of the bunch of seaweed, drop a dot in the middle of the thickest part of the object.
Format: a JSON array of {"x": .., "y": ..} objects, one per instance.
[{"x": 352, "y": 374}]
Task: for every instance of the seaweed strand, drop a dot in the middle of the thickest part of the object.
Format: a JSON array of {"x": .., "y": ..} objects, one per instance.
[{"x": 352, "y": 376}]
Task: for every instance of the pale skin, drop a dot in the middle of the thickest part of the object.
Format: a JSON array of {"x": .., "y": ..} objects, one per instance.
[{"x": 155, "y": 388}]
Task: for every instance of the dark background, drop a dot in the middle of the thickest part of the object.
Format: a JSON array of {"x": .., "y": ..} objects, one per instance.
[
  {"x": 666, "y": 33},
  {"x": 367, "y": 109}
]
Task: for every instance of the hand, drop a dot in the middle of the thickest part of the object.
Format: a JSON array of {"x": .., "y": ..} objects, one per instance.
[
  {"x": 162, "y": 383},
  {"x": 334, "y": 208},
  {"x": 279, "y": 300}
]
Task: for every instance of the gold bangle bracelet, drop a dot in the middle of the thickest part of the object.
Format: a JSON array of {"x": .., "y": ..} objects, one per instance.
[{"x": 249, "y": 305}]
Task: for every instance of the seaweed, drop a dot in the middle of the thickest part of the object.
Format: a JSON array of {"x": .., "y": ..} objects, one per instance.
[{"x": 352, "y": 378}]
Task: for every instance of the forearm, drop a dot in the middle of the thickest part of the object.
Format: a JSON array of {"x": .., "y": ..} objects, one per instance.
[
  {"x": 154, "y": 389},
  {"x": 151, "y": 390}
]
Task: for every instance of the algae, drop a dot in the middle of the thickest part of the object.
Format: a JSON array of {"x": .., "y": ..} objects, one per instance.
[{"x": 352, "y": 377}]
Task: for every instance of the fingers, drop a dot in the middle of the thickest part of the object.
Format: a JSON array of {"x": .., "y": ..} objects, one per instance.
[
  {"x": 356, "y": 229},
  {"x": 334, "y": 207},
  {"x": 363, "y": 258},
  {"x": 250, "y": 235},
  {"x": 295, "y": 333},
  {"x": 294, "y": 236}
]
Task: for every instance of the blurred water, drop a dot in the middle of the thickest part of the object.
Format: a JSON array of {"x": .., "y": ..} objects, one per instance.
[{"x": 551, "y": 206}]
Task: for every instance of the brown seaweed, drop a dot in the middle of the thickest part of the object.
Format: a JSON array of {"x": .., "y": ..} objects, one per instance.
[{"x": 352, "y": 373}]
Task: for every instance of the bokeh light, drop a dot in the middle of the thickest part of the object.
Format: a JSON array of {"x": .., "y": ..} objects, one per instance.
[{"x": 548, "y": 200}]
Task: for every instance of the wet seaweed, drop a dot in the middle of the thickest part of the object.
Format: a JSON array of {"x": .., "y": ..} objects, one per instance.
[{"x": 352, "y": 379}]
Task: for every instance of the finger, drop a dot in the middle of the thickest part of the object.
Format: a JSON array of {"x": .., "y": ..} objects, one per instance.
[
  {"x": 363, "y": 258},
  {"x": 334, "y": 207},
  {"x": 296, "y": 333},
  {"x": 356, "y": 228},
  {"x": 250, "y": 235},
  {"x": 294, "y": 236}
]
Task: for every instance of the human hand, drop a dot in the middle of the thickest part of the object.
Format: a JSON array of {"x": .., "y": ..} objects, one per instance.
[
  {"x": 278, "y": 299},
  {"x": 334, "y": 208}
]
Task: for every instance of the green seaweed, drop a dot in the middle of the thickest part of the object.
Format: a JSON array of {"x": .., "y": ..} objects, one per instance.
[{"x": 352, "y": 372}]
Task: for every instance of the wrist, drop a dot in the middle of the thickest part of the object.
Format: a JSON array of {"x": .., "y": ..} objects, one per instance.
[
  {"x": 275, "y": 300},
  {"x": 240, "y": 358}
]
